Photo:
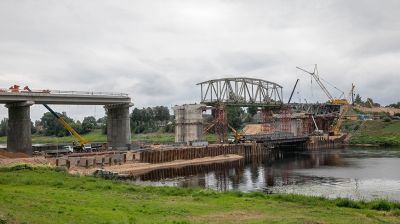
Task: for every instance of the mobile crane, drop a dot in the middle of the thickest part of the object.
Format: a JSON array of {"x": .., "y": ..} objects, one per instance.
[
  {"x": 332, "y": 100},
  {"x": 344, "y": 103},
  {"x": 84, "y": 144}
]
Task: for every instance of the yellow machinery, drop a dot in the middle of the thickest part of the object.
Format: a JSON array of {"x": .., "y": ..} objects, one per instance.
[
  {"x": 345, "y": 109},
  {"x": 236, "y": 133},
  {"x": 335, "y": 130},
  {"x": 344, "y": 103},
  {"x": 82, "y": 141}
]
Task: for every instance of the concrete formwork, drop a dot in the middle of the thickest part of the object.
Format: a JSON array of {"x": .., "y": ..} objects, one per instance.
[
  {"x": 189, "y": 122},
  {"x": 19, "y": 137},
  {"x": 118, "y": 126}
]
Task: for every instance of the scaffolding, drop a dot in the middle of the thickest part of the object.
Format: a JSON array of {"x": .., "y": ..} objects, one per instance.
[{"x": 267, "y": 121}]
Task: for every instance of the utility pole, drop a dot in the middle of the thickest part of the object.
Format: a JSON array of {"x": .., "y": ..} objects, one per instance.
[{"x": 352, "y": 93}]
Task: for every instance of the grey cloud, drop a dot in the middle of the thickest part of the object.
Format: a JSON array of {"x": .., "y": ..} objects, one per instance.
[
  {"x": 244, "y": 62},
  {"x": 158, "y": 50}
]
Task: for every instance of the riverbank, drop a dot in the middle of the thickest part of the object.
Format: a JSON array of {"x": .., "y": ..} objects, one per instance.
[
  {"x": 45, "y": 195},
  {"x": 98, "y": 136},
  {"x": 373, "y": 132}
]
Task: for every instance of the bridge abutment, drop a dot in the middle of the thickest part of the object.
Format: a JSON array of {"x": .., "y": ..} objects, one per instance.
[
  {"x": 19, "y": 137},
  {"x": 118, "y": 126}
]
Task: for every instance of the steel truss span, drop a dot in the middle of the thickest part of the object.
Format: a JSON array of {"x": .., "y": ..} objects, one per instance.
[{"x": 241, "y": 92}]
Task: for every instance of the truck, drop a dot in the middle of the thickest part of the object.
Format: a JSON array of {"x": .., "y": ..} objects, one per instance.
[{"x": 67, "y": 149}]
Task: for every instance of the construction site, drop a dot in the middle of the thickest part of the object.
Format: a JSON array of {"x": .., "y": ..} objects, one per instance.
[{"x": 277, "y": 125}]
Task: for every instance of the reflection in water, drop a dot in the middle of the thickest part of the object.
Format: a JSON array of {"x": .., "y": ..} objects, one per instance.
[{"x": 355, "y": 173}]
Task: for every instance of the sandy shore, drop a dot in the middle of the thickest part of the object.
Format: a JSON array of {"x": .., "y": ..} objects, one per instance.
[{"x": 136, "y": 168}]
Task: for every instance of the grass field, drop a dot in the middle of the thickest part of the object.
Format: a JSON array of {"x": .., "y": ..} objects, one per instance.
[
  {"x": 373, "y": 132},
  {"x": 45, "y": 195},
  {"x": 97, "y": 136}
]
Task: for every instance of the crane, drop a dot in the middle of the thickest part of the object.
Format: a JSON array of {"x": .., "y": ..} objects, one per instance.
[
  {"x": 82, "y": 141},
  {"x": 344, "y": 103},
  {"x": 332, "y": 100}
]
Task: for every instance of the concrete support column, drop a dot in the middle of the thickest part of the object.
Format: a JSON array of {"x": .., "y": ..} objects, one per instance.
[
  {"x": 118, "y": 126},
  {"x": 19, "y": 138},
  {"x": 189, "y": 122}
]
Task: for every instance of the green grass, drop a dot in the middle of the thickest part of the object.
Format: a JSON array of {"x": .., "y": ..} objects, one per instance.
[
  {"x": 44, "y": 195},
  {"x": 94, "y": 136},
  {"x": 97, "y": 136},
  {"x": 373, "y": 132}
]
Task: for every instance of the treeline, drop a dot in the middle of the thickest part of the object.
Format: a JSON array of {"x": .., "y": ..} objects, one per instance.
[
  {"x": 151, "y": 119},
  {"x": 367, "y": 103},
  {"x": 50, "y": 126},
  {"x": 394, "y": 105},
  {"x": 144, "y": 120}
]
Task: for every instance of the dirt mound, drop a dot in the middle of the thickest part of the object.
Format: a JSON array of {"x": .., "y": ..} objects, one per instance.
[
  {"x": 4, "y": 154},
  {"x": 5, "y": 162},
  {"x": 252, "y": 129},
  {"x": 389, "y": 110}
]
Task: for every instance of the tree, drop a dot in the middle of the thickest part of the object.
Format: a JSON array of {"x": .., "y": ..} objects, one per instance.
[
  {"x": 3, "y": 127},
  {"x": 88, "y": 124},
  {"x": 149, "y": 119},
  {"x": 394, "y": 105},
  {"x": 33, "y": 128},
  {"x": 103, "y": 124},
  {"x": 358, "y": 99},
  {"x": 252, "y": 110},
  {"x": 52, "y": 126},
  {"x": 235, "y": 115}
]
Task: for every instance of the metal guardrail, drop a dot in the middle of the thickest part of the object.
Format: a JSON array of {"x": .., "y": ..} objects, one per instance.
[{"x": 62, "y": 92}]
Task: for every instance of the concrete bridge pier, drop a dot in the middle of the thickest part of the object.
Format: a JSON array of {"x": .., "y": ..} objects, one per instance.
[
  {"x": 19, "y": 137},
  {"x": 118, "y": 126}
]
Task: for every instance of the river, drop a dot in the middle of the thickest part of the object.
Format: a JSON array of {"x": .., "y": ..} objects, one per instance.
[{"x": 357, "y": 173}]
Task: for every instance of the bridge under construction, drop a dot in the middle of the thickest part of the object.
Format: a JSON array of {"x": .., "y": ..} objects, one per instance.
[
  {"x": 18, "y": 102},
  {"x": 278, "y": 122}
]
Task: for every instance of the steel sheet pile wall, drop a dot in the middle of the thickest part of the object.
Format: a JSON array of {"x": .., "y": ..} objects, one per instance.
[
  {"x": 320, "y": 142},
  {"x": 161, "y": 156},
  {"x": 160, "y": 174}
]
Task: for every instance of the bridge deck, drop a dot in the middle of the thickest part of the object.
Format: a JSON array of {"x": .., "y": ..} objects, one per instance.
[{"x": 64, "y": 97}]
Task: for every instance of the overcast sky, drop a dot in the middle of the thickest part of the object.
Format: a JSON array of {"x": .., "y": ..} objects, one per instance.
[{"x": 158, "y": 50}]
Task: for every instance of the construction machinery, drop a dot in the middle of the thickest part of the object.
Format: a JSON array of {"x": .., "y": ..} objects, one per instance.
[
  {"x": 83, "y": 143},
  {"x": 343, "y": 103},
  {"x": 332, "y": 100},
  {"x": 317, "y": 131},
  {"x": 335, "y": 130},
  {"x": 236, "y": 134}
]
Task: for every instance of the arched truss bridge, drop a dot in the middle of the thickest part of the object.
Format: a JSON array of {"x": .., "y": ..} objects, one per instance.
[{"x": 241, "y": 92}]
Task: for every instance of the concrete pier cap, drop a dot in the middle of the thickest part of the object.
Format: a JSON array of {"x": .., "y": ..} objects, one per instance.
[
  {"x": 19, "y": 137},
  {"x": 118, "y": 126}
]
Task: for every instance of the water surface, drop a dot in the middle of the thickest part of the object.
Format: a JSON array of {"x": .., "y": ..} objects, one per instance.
[{"x": 358, "y": 173}]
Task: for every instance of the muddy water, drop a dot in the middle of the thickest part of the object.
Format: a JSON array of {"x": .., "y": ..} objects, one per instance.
[{"x": 358, "y": 173}]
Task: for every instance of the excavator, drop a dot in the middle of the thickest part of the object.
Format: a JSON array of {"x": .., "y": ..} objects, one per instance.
[
  {"x": 344, "y": 103},
  {"x": 83, "y": 143}
]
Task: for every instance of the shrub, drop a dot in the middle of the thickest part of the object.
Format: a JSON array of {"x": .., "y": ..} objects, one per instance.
[
  {"x": 381, "y": 205},
  {"x": 348, "y": 203},
  {"x": 387, "y": 119}
]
